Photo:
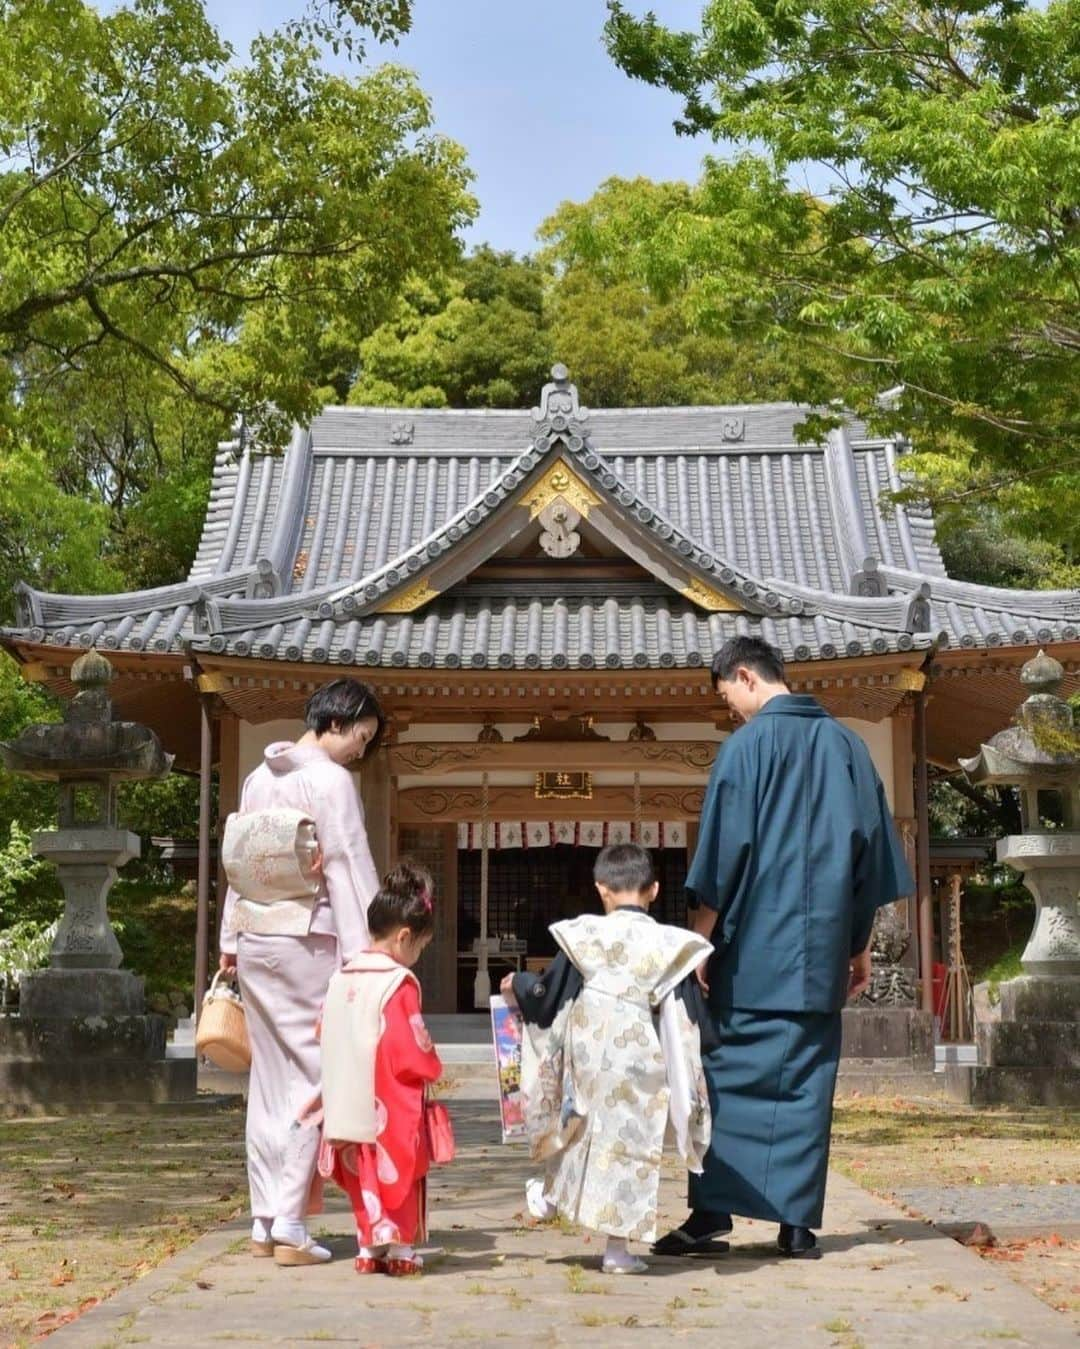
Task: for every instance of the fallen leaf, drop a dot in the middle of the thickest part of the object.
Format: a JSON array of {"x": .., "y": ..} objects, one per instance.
[{"x": 203, "y": 1283}]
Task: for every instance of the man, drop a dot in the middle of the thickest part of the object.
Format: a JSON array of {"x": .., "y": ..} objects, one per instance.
[{"x": 796, "y": 851}]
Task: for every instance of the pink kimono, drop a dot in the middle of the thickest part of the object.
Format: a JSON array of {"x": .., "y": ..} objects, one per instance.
[
  {"x": 283, "y": 980},
  {"x": 377, "y": 1061}
]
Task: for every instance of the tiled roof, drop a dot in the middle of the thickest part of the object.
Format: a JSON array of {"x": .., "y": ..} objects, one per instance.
[{"x": 299, "y": 550}]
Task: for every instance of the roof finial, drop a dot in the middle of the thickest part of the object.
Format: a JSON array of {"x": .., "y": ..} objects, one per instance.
[{"x": 559, "y": 401}]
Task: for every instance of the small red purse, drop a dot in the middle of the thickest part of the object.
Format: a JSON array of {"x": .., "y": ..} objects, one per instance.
[{"x": 440, "y": 1133}]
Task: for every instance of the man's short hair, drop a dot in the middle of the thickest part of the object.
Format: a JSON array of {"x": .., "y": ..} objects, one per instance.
[
  {"x": 623, "y": 868},
  {"x": 341, "y": 704},
  {"x": 754, "y": 653}
]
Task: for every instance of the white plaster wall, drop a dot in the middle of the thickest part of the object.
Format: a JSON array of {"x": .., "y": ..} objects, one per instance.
[
  {"x": 878, "y": 737},
  {"x": 255, "y": 738}
]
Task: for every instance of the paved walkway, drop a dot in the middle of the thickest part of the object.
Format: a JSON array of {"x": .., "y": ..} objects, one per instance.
[
  {"x": 1008, "y": 1210},
  {"x": 886, "y": 1280}
]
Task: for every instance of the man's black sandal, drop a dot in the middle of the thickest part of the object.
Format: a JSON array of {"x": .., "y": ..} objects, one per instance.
[{"x": 681, "y": 1242}]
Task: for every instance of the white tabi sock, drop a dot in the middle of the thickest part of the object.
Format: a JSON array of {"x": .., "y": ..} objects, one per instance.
[
  {"x": 618, "y": 1260},
  {"x": 260, "y": 1230}
]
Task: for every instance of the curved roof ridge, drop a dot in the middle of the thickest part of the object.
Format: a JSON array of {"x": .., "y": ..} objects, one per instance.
[
  {"x": 41, "y": 607},
  {"x": 1034, "y": 603}
]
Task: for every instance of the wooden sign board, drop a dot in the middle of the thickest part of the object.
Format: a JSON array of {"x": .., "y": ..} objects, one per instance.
[{"x": 564, "y": 786}]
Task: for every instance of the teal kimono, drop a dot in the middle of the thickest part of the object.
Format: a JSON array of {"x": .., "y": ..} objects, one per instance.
[{"x": 796, "y": 852}]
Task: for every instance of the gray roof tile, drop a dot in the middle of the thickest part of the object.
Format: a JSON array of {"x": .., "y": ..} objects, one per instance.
[{"x": 294, "y": 546}]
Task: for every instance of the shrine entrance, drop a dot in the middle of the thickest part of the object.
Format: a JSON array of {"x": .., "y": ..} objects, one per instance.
[{"x": 529, "y": 888}]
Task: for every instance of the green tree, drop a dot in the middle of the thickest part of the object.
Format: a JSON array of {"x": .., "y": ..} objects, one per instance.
[
  {"x": 186, "y": 237},
  {"x": 475, "y": 336},
  {"x": 631, "y": 344},
  {"x": 945, "y": 262}
]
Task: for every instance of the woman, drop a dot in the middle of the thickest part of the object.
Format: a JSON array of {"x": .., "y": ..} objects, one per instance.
[{"x": 283, "y": 979}]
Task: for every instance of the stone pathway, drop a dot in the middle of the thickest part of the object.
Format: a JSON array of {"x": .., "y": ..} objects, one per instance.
[
  {"x": 886, "y": 1280},
  {"x": 1008, "y": 1210}
]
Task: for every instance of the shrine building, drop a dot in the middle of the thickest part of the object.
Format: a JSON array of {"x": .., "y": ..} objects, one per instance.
[{"x": 536, "y": 598}]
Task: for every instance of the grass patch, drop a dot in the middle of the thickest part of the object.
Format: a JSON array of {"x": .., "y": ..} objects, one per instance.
[
  {"x": 90, "y": 1204},
  {"x": 888, "y": 1145},
  {"x": 1006, "y": 966}
]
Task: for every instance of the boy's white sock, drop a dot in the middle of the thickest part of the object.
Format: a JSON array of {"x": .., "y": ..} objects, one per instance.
[
  {"x": 260, "y": 1230},
  {"x": 536, "y": 1201},
  {"x": 618, "y": 1260}
]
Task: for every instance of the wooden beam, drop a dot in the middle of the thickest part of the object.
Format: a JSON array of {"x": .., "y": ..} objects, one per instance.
[
  {"x": 450, "y": 805},
  {"x": 433, "y": 758}
]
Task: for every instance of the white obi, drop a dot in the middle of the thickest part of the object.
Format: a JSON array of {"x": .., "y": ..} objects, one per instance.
[{"x": 271, "y": 858}]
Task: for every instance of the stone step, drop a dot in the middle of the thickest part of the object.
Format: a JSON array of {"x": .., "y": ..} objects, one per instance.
[
  {"x": 52, "y": 1084},
  {"x": 996, "y": 1085},
  {"x": 89, "y": 1037},
  {"x": 1026, "y": 1044}
]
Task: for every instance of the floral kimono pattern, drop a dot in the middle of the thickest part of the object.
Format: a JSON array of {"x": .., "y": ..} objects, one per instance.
[
  {"x": 386, "y": 1179},
  {"x": 618, "y": 1072}
]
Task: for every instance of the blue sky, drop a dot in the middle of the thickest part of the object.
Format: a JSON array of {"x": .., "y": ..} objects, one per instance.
[{"x": 527, "y": 88}]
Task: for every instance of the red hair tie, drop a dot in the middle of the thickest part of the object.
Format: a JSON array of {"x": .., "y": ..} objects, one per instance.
[{"x": 425, "y": 899}]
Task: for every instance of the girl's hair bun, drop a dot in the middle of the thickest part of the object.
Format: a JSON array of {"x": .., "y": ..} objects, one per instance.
[{"x": 404, "y": 899}]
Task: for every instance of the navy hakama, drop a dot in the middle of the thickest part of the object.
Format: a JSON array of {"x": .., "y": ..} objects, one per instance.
[{"x": 771, "y": 1085}]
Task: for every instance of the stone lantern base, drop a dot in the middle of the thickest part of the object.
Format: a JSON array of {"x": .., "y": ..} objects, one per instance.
[
  {"x": 83, "y": 1038},
  {"x": 55, "y": 1063},
  {"x": 1029, "y": 1045}
]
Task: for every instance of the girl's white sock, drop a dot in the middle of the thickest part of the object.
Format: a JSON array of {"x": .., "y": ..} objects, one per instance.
[
  {"x": 397, "y": 1252},
  {"x": 371, "y": 1252},
  {"x": 260, "y": 1230}
]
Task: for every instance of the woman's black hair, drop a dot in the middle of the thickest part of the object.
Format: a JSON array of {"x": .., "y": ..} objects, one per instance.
[
  {"x": 405, "y": 898},
  {"x": 341, "y": 704}
]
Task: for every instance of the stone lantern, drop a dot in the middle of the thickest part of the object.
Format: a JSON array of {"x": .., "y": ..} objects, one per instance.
[
  {"x": 82, "y": 1033},
  {"x": 1029, "y": 1043}
]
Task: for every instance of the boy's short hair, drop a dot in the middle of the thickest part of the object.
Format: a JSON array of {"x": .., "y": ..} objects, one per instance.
[
  {"x": 753, "y": 652},
  {"x": 624, "y": 867}
]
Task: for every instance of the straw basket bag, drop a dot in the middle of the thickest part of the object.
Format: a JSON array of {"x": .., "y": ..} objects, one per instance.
[{"x": 222, "y": 1032}]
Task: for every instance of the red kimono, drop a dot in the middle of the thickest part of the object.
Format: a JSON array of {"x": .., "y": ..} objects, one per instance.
[{"x": 385, "y": 1179}]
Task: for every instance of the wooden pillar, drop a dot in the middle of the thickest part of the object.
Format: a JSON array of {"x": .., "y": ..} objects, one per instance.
[
  {"x": 922, "y": 856},
  {"x": 228, "y": 796},
  {"x": 435, "y": 846},
  {"x": 202, "y": 919},
  {"x": 375, "y": 792},
  {"x": 903, "y": 797}
]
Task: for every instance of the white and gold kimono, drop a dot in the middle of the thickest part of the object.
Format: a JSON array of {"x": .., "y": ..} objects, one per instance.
[{"x": 617, "y": 1072}]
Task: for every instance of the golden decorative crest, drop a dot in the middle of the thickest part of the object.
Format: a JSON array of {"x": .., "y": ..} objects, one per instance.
[
  {"x": 708, "y": 598},
  {"x": 909, "y": 681},
  {"x": 408, "y": 600},
  {"x": 560, "y": 481}
]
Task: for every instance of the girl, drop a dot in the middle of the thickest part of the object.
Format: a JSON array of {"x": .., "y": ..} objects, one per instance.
[{"x": 377, "y": 1059}]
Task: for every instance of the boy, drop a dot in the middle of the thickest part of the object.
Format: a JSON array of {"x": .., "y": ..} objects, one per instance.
[{"x": 611, "y": 1056}]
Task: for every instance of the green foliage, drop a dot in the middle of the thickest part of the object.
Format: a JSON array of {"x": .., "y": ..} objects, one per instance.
[
  {"x": 1006, "y": 966},
  {"x": 17, "y": 868},
  {"x": 945, "y": 264},
  {"x": 33, "y": 803},
  {"x": 474, "y": 337},
  {"x": 486, "y": 333},
  {"x": 186, "y": 237},
  {"x": 24, "y": 946}
]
